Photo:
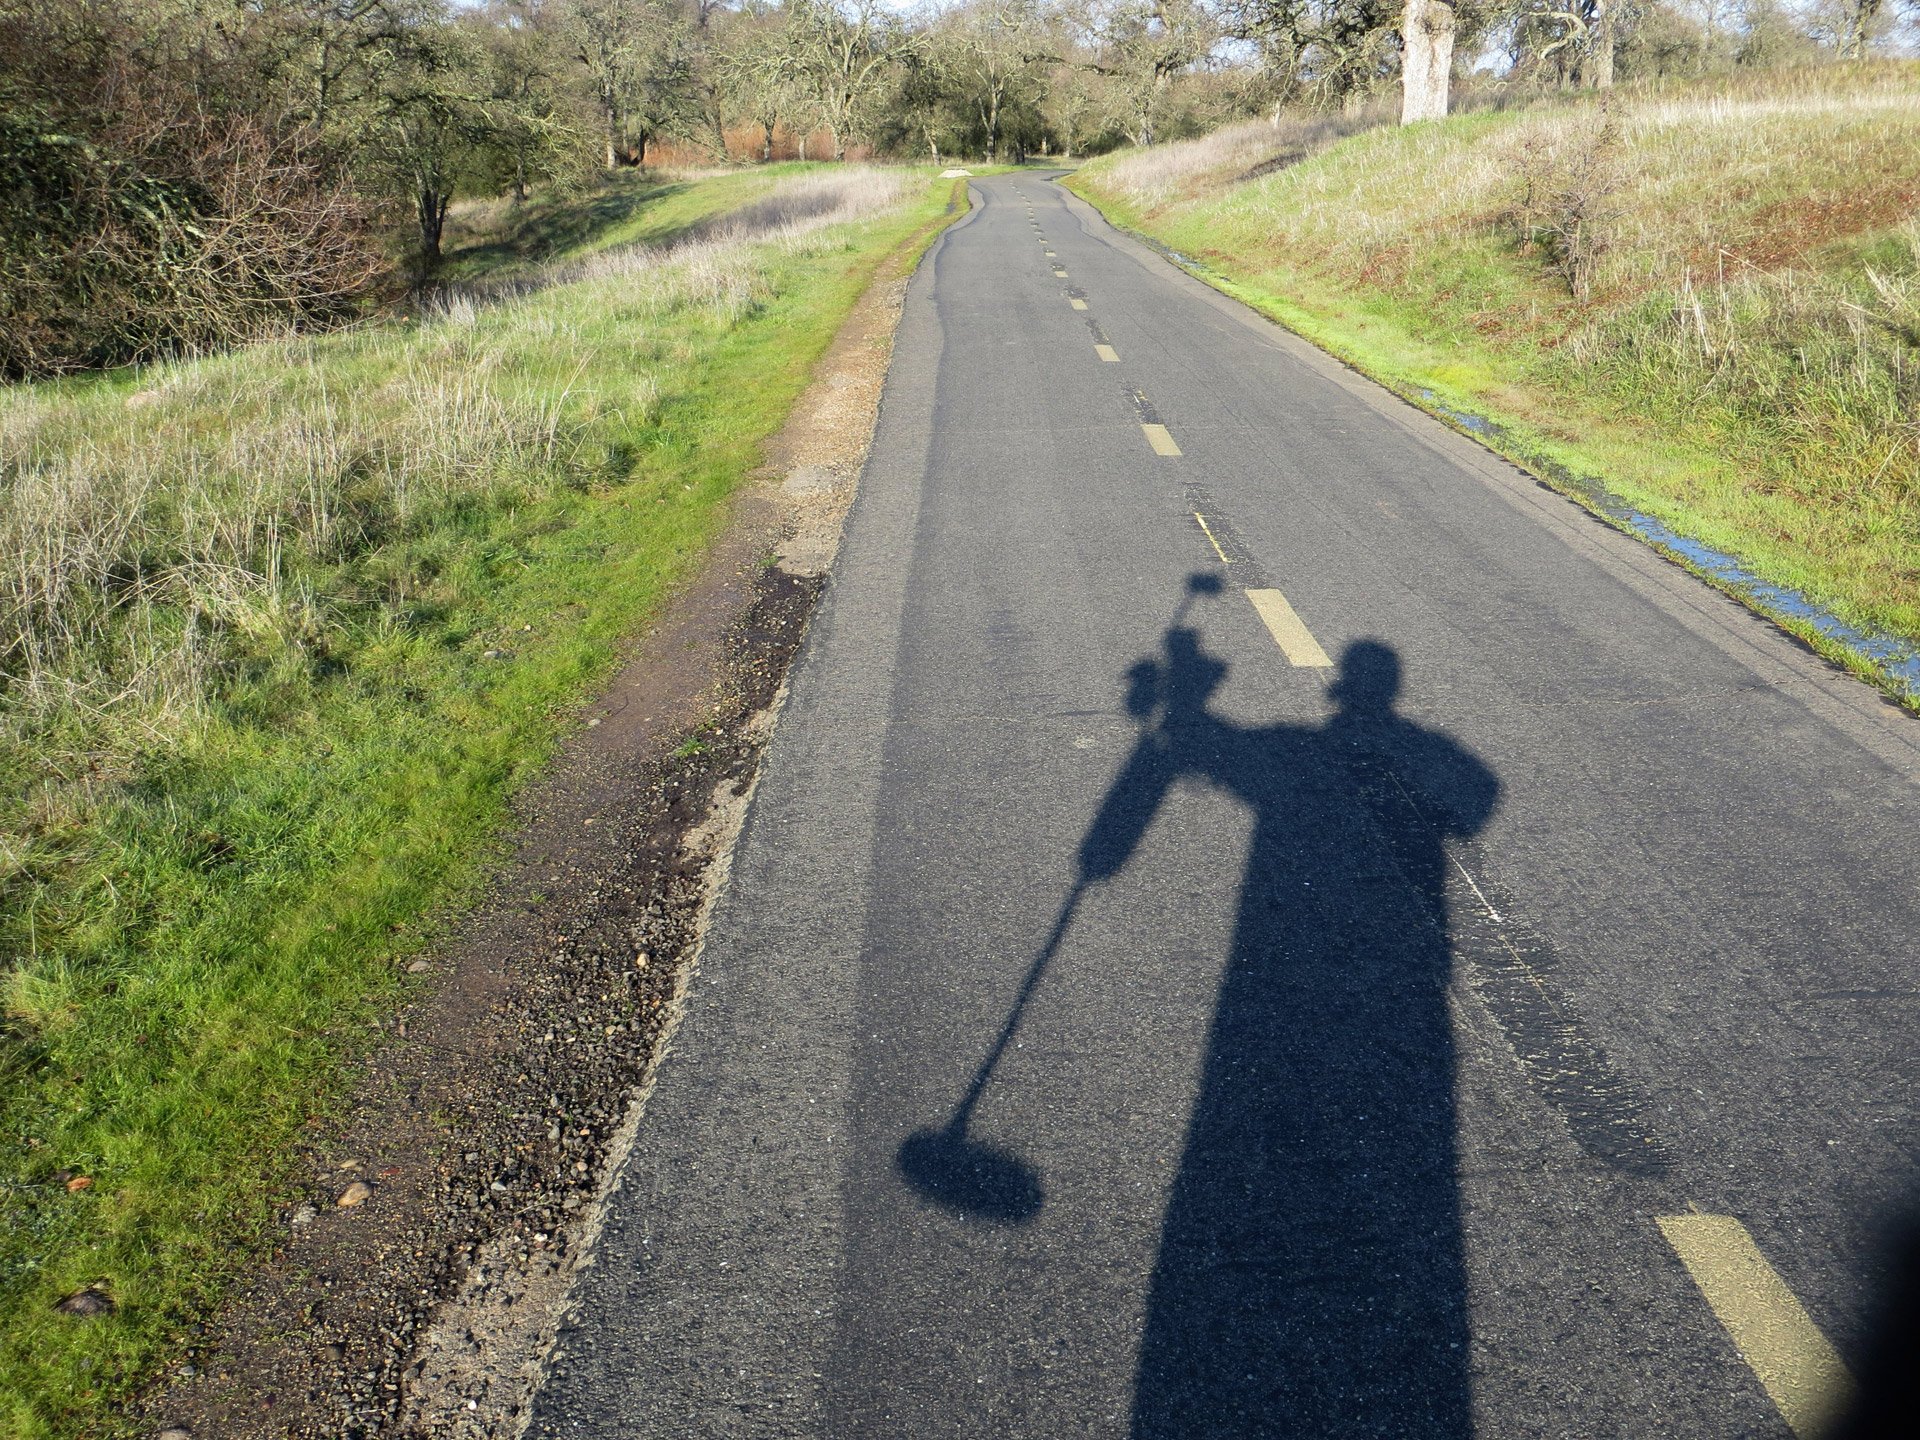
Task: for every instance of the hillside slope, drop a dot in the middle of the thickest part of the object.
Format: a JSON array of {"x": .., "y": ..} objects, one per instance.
[{"x": 1708, "y": 298}]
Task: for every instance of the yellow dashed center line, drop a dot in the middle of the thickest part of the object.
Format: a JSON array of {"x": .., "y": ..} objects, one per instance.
[
  {"x": 1160, "y": 440},
  {"x": 1108, "y": 353},
  {"x": 1301, "y": 649},
  {"x": 1076, "y": 302},
  {"x": 1772, "y": 1331}
]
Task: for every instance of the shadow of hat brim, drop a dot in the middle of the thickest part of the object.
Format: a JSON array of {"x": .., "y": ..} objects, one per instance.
[{"x": 973, "y": 1179}]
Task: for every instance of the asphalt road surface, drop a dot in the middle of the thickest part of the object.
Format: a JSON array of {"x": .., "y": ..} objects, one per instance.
[{"x": 1261, "y": 920}]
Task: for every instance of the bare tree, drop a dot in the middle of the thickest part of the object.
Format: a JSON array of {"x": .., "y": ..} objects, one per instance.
[
  {"x": 759, "y": 74},
  {"x": 1861, "y": 15},
  {"x": 1143, "y": 45},
  {"x": 1568, "y": 42},
  {"x": 994, "y": 48},
  {"x": 1073, "y": 105},
  {"x": 841, "y": 51},
  {"x": 526, "y": 79},
  {"x": 706, "y": 39},
  {"x": 638, "y": 61}
]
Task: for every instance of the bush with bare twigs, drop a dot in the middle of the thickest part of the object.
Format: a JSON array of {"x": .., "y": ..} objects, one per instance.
[
  {"x": 1569, "y": 177},
  {"x": 139, "y": 220}
]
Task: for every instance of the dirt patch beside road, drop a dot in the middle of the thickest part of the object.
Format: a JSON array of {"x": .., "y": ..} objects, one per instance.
[{"x": 489, "y": 1119}]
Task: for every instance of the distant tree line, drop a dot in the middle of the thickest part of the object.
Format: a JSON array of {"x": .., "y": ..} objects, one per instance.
[{"x": 182, "y": 173}]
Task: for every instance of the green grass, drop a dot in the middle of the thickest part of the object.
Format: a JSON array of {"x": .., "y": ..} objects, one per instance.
[
  {"x": 1726, "y": 341},
  {"x": 297, "y": 626}
]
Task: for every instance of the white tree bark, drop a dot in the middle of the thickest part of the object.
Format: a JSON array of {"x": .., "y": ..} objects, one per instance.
[{"x": 1426, "y": 60}]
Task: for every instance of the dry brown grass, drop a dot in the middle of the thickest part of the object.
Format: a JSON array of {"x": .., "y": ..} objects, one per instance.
[
  {"x": 1694, "y": 176},
  {"x": 1230, "y": 156}
]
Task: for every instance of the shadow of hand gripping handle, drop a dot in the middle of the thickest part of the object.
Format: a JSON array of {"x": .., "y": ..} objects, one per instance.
[{"x": 947, "y": 1165}]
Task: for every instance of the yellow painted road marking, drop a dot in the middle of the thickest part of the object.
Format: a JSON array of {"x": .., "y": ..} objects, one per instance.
[
  {"x": 1160, "y": 440},
  {"x": 1769, "y": 1327},
  {"x": 1049, "y": 253},
  {"x": 1294, "y": 637},
  {"x": 1208, "y": 531},
  {"x": 1076, "y": 302},
  {"x": 1107, "y": 352}
]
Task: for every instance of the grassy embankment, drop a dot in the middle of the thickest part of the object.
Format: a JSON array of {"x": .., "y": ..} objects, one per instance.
[
  {"x": 1707, "y": 298},
  {"x": 280, "y": 632},
  {"x": 489, "y": 238}
]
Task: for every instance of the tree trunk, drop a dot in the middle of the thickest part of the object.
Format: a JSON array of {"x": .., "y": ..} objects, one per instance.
[
  {"x": 613, "y": 135},
  {"x": 1602, "y": 57},
  {"x": 1860, "y": 16},
  {"x": 1426, "y": 60},
  {"x": 766, "y": 145},
  {"x": 432, "y": 207}
]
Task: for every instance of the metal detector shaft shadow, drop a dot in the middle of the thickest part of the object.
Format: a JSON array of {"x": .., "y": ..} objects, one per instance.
[{"x": 960, "y": 1173}]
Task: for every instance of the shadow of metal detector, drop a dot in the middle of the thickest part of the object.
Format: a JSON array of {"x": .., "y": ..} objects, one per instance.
[{"x": 947, "y": 1165}]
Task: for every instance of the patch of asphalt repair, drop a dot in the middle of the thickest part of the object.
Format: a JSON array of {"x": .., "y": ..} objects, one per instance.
[{"x": 497, "y": 1108}]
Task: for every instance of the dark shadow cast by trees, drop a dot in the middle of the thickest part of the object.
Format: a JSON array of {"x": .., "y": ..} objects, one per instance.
[{"x": 1309, "y": 1279}]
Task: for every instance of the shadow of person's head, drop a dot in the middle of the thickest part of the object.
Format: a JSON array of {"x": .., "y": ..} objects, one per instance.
[{"x": 1369, "y": 679}]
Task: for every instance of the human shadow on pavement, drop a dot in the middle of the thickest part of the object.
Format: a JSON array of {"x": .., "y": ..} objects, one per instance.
[{"x": 1309, "y": 1279}]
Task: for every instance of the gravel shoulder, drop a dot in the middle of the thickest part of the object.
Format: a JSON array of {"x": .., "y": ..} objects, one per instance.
[{"x": 434, "y": 1238}]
